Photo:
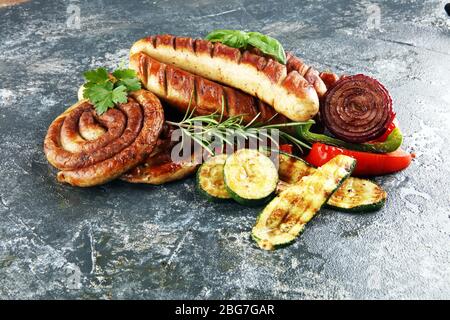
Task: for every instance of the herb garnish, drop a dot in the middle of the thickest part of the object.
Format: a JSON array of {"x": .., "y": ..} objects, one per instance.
[
  {"x": 104, "y": 90},
  {"x": 241, "y": 39},
  {"x": 205, "y": 129}
]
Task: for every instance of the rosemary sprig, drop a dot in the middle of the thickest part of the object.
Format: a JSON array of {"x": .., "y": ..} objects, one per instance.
[{"x": 205, "y": 128}]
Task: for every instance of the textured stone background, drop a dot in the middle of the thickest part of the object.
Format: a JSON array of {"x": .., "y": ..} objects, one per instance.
[{"x": 128, "y": 241}]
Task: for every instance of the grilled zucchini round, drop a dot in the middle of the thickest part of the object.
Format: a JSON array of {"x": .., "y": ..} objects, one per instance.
[
  {"x": 210, "y": 179},
  {"x": 250, "y": 177}
]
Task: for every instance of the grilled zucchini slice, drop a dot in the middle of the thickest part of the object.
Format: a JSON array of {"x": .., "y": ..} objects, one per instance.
[
  {"x": 284, "y": 218},
  {"x": 292, "y": 169},
  {"x": 358, "y": 195},
  {"x": 250, "y": 177},
  {"x": 355, "y": 195},
  {"x": 210, "y": 181}
]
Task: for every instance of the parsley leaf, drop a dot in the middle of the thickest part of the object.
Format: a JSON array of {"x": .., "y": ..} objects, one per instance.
[
  {"x": 119, "y": 95},
  {"x": 131, "y": 84},
  {"x": 124, "y": 74},
  {"x": 101, "y": 96},
  {"x": 104, "y": 91},
  {"x": 102, "y": 106},
  {"x": 99, "y": 75},
  {"x": 127, "y": 78}
]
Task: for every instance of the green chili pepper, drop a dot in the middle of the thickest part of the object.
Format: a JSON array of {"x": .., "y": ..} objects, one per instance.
[{"x": 392, "y": 143}]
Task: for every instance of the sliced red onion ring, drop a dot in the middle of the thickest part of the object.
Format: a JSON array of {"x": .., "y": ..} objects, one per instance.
[{"x": 357, "y": 109}]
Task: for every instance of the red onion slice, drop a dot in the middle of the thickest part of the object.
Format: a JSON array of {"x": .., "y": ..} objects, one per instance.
[{"x": 357, "y": 109}]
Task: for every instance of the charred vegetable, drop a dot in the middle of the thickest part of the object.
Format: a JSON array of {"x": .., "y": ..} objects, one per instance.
[
  {"x": 292, "y": 169},
  {"x": 284, "y": 218},
  {"x": 358, "y": 195},
  {"x": 368, "y": 164},
  {"x": 250, "y": 177},
  {"x": 354, "y": 195},
  {"x": 210, "y": 181},
  {"x": 357, "y": 109},
  {"x": 391, "y": 143}
]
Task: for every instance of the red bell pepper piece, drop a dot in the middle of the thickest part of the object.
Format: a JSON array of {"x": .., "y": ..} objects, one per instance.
[
  {"x": 286, "y": 148},
  {"x": 368, "y": 164},
  {"x": 391, "y": 127}
]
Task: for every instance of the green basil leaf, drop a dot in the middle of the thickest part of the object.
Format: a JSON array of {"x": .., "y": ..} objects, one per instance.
[
  {"x": 240, "y": 39},
  {"x": 267, "y": 45},
  {"x": 232, "y": 38}
]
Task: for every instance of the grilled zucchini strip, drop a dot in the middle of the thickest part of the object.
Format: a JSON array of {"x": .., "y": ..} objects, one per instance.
[
  {"x": 283, "y": 219},
  {"x": 355, "y": 194}
]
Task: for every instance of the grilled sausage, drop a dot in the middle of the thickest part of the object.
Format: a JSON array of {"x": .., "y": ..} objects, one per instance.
[
  {"x": 184, "y": 90},
  {"x": 287, "y": 92},
  {"x": 329, "y": 79},
  {"x": 294, "y": 63},
  {"x": 159, "y": 167},
  {"x": 88, "y": 155},
  {"x": 309, "y": 73}
]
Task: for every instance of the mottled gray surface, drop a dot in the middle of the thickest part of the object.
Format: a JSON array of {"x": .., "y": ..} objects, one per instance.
[{"x": 128, "y": 241}]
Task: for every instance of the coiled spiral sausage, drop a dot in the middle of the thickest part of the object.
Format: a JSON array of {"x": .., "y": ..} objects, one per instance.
[{"x": 85, "y": 158}]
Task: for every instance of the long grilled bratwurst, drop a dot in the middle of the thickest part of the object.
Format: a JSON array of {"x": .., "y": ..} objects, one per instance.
[
  {"x": 287, "y": 91},
  {"x": 91, "y": 149},
  {"x": 184, "y": 90}
]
